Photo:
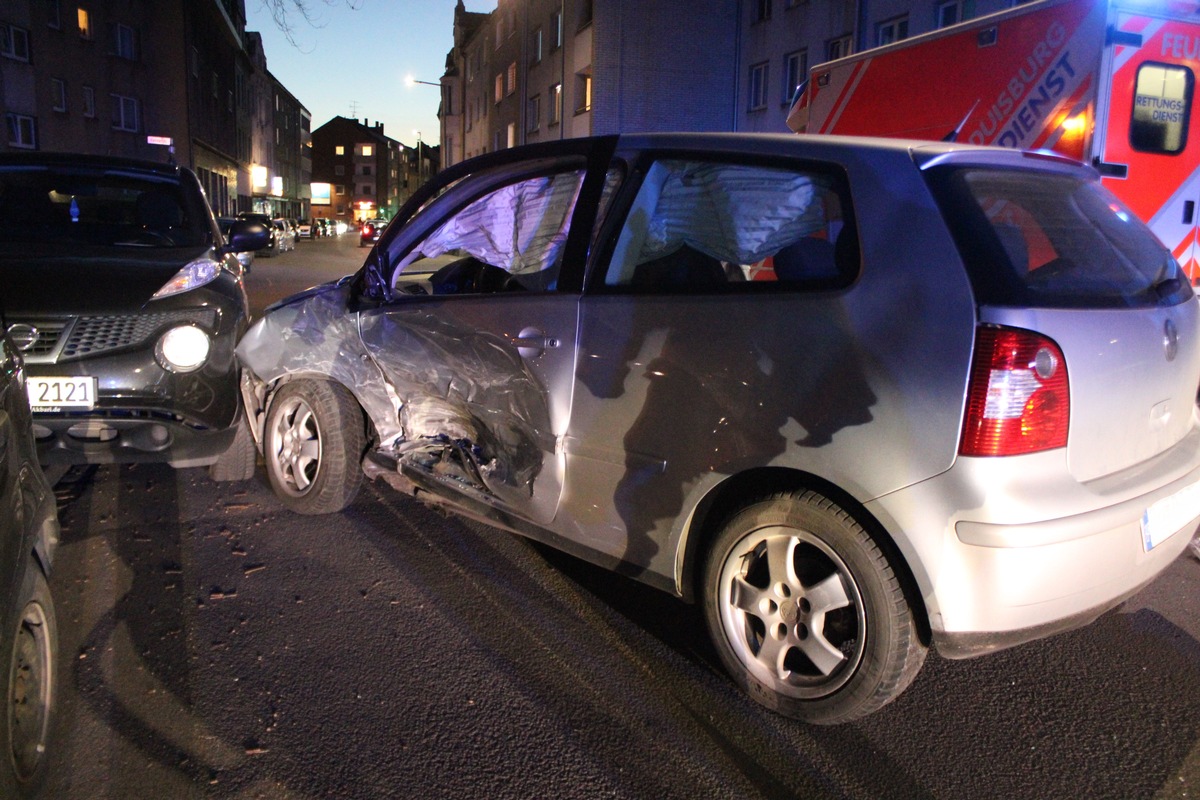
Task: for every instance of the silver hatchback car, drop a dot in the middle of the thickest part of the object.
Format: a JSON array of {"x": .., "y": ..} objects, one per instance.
[{"x": 853, "y": 397}]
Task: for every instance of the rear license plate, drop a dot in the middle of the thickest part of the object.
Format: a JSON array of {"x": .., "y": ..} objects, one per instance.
[
  {"x": 52, "y": 394},
  {"x": 1168, "y": 516}
]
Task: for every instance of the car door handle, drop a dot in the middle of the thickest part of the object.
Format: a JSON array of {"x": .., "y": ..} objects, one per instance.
[
  {"x": 531, "y": 343},
  {"x": 1189, "y": 211}
]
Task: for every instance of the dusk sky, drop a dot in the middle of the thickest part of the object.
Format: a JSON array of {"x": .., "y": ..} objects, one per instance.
[{"x": 354, "y": 59}]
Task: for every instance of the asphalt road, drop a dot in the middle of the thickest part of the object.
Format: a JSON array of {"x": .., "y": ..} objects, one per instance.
[{"x": 218, "y": 646}]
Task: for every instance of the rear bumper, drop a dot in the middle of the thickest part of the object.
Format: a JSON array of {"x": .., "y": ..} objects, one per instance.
[{"x": 1024, "y": 556}]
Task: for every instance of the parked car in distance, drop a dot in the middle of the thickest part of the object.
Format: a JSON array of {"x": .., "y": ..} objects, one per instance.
[
  {"x": 285, "y": 235},
  {"x": 126, "y": 302},
  {"x": 370, "y": 231},
  {"x": 853, "y": 397},
  {"x": 29, "y": 535},
  {"x": 305, "y": 229}
]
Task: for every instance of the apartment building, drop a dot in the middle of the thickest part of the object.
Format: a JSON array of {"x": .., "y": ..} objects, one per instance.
[
  {"x": 534, "y": 70},
  {"x": 171, "y": 80}
]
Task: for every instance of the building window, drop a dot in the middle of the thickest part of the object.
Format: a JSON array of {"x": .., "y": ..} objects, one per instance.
[
  {"x": 22, "y": 131},
  {"x": 585, "y": 14},
  {"x": 583, "y": 92},
  {"x": 229, "y": 101},
  {"x": 758, "y": 86},
  {"x": 512, "y": 134},
  {"x": 536, "y": 47},
  {"x": 367, "y": 189},
  {"x": 89, "y": 102},
  {"x": 762, "y": 10},
  {"x": 556, "y": 30},
  {"x": 339, "y": 169},
  {"x": 510, "y": 81},
  {"x": 949, "y": 13},
  {"x": 341, "y": 188},
  {"x": 555, "y": 103},
  {"x": 14, "y": 42},
  {"x": 838, "y": 48},
  {"x": 85, "y": 23},
  {"x": 499, "y": 88},
  {"x": 125, "y": 42},
  {"x": 125, "y": 113},
  {"x": 53, "y": 15},
  {"x": 216, "y": 85},
  {"x": 339, "y": 150},
  {"x": 366, "y": 170},
  {"x": 795, "y": 68},
  {"x": 368, "y": 151},
  {"x": 892, "y": 30},
  {"x": 534, "y": 117},
  {"x": 58, "y": 94}
]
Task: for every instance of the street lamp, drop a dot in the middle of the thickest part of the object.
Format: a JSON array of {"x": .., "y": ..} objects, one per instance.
[
  {"x": 420, "y": 161},
  {"x": 411, "y": 81}
]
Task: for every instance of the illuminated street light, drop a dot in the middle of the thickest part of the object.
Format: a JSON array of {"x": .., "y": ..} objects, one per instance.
[{"x": 411, "y": 81}]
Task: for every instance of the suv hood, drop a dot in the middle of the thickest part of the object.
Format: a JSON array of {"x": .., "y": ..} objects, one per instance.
[{"x": 39, "y": 279}]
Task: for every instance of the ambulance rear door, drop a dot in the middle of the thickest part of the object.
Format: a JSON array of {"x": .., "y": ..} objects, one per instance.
[{"x": 1148, "y": 146}]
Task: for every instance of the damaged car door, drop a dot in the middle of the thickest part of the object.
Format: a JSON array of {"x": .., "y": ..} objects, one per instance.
[{"x": 478, "y": 342}]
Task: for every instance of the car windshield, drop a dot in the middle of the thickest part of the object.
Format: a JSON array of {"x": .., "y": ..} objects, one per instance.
[
  {"x": 1054, "y": 241},
  {"x": 96, "y": 207}
]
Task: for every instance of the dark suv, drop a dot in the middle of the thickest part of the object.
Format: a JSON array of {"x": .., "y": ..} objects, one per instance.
[{"x": 126, "y": 303}]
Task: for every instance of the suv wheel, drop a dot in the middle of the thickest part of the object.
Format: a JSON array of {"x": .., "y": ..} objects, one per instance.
[
  {"x": 806, "y": 612},
  {"x": 31, "y": 655},
  {"x": 312, "y": 445}
]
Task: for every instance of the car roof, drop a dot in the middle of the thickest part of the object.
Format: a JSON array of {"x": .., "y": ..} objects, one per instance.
[{"x": 88, "y": 161}]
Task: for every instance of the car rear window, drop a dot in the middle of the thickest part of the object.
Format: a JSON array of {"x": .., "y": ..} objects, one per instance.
[
  {"x": 1042, "y": 239},
  {"x": 106, "y": 208}
]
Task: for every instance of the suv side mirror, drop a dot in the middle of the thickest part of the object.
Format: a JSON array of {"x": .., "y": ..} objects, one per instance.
[{"x": 246, "y": 236}]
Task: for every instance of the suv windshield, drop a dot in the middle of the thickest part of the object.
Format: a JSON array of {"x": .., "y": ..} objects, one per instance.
[
  {"x": 106, "y": 208},
  {"x": 1053, "y": 241}
]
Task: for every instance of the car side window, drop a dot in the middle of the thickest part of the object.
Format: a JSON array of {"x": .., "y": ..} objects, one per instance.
[
  {"x": 510, "y": 239},
  {"x": 699, "y": 226}
]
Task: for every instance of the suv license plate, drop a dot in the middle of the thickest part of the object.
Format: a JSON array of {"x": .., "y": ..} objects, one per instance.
[
  {"x": 52, "y": 394},
  {"x": 1168, "y": 516}
]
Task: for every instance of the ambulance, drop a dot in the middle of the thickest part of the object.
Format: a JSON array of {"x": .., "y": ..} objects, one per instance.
[{"x": 1108, "y": 83}]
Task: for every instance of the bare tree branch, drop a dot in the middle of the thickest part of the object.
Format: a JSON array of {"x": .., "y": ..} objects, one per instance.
[{"x": 287, "y": 14}]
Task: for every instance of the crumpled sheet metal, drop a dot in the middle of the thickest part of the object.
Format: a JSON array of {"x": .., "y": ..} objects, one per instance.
[
  {"x": 445, "y": 391},
  {"x": 465, "y": 386},
  {"x": 317, "y": 335}
]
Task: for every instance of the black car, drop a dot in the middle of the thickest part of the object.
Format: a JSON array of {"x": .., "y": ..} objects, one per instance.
[
  {"x": 126, "y": 303},
  {"x": 29, "y": 533},
  {"x": 370, "y": 231}
]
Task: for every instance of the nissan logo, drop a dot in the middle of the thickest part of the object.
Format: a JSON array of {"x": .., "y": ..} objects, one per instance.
[
  {"x": 24, "y": 336},
  {"x": 1170, "y": 340}
]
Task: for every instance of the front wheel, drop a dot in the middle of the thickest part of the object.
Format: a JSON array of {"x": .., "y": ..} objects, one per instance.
[
  {"x": 806, "y": 612},
  {"x": 31, "y": 656},
  {"x": 313, "y": 443}
]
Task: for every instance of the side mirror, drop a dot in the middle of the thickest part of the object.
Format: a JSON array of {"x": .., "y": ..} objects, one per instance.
[{"x": 246, "y": 236}]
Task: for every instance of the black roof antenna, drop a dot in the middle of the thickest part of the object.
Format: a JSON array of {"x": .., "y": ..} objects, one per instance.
[{"x": 952, "y": 136}]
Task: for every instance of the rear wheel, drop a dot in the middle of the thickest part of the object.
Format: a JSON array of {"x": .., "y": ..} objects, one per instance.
[
  {"x": 32, "y": 658},
  {"x": 313, "y": 443},
  {"x": 806, "y": 612}
]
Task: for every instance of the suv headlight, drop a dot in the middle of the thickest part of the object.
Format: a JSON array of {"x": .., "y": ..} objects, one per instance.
[
  {"x": 193, "y": 276},
  {"x": 183, "y": 349}
]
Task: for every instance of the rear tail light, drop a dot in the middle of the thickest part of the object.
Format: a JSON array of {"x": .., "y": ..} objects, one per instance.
[{"x": 1018, "y": 400}]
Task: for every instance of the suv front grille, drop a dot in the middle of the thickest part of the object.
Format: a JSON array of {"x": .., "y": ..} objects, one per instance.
[{"x": 95, "y": 335}]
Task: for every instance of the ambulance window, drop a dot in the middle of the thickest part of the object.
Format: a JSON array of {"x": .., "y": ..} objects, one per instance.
[{"x": 1162, "y": 105}]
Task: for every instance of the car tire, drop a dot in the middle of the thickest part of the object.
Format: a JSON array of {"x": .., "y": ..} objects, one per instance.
[
  {"x": 312, "y": 446},
  {"x": 30, "y": 653},
  {"x": 806, "y": 612},
  {"x": 240, "y": 461}
]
